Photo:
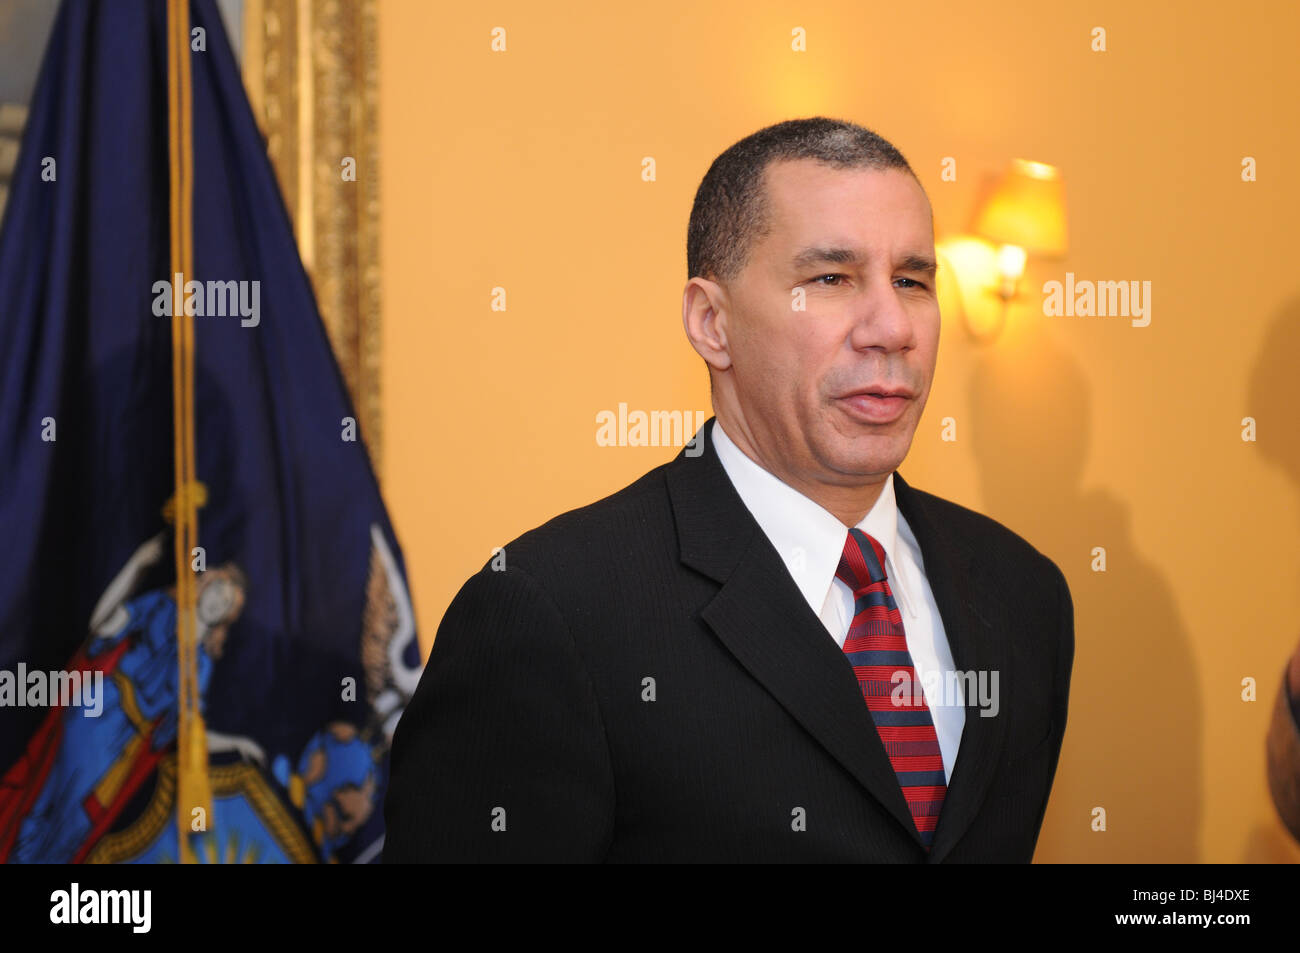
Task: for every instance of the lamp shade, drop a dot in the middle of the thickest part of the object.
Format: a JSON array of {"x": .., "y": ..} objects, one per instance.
[{"x": 1027, "y": 209}]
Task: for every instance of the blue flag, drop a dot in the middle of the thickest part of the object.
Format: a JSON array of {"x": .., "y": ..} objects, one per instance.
[{"x": 307, "y": 649}]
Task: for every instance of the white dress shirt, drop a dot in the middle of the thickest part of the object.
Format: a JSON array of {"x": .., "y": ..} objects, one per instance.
[{"x": 810, "y": 541}]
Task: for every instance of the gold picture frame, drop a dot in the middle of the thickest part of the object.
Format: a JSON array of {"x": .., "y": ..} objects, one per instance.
[{"x": 312, "y": 74}]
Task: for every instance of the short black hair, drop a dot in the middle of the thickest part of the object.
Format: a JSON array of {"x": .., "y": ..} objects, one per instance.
[{"x": 731, "y": 210}]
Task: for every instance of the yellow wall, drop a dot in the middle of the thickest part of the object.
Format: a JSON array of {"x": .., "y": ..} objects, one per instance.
[{"x": 523, "y": 169}]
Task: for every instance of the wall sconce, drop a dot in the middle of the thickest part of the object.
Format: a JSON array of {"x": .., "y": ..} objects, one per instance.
[{"x": 1025, "y": 215}]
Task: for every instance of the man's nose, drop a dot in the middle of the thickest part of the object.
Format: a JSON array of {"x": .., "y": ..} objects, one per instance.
[{"x": 882, "y": 319}]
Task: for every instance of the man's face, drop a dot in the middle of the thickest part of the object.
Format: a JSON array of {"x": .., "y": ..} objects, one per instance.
[{"x": 855, "y": 248}]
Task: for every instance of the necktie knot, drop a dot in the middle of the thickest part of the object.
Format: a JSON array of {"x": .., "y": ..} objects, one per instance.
[{"x": 862, "y": 562}]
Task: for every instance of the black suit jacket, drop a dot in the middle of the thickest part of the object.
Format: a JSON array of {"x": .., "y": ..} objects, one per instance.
[{"x": 533, "y": 736}]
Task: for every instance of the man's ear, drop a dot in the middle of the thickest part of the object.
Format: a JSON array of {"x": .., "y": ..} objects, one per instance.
[{"x": 705, "y": 312}]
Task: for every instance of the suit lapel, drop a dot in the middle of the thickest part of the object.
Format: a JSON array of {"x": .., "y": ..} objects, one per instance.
[
  {"x": 764, "y": 621},
  {"x": 952, "y": 572}
]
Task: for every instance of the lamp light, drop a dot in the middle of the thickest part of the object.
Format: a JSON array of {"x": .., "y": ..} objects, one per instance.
[{"x": 1025, "y": 215}]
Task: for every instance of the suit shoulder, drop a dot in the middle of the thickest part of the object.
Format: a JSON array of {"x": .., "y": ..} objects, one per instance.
[
  {"x": 638, "y": 514},
  {"x": 982, "y": 533}
]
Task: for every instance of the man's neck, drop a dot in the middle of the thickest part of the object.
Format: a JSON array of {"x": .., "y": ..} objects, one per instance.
[{"x": 848, "y": 504}]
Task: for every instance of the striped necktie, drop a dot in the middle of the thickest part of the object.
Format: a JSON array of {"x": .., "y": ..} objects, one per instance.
[{"x": 876, "y": 647}]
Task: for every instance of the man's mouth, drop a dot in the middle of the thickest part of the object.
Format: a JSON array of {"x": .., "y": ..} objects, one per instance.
[{"x": 876, "y": 405}]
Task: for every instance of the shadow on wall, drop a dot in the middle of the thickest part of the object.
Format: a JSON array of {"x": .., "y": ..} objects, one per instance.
[
  {"x": 1272, "y": 399},
  {"x": 1129, "y": 749}
]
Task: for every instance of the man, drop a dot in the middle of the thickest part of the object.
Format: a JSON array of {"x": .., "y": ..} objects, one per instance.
[
  {"x": 732, "y": 659},
  {"x": 1283, "y": 747}
]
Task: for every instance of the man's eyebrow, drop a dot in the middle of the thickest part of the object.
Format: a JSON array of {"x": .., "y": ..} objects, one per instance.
[
  {"x": 922, "y": 263},
  {"x": 815, "y": 255}
]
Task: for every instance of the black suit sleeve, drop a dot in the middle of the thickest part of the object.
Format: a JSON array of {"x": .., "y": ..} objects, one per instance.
[
  {"x": 1061, "y": 676},
  {"x": 1065, "y": 657},
  {"x": 1283, "y": 751},
  {"x": 501, "y": 753}
]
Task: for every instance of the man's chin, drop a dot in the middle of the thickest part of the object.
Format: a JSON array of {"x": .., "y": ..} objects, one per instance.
[
  {"x": 874, "y": 447},
  {"x": 865, "y": 467}
]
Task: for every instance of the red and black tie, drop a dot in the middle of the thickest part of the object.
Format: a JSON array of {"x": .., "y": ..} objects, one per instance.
[{"x": 876, "y": 647}]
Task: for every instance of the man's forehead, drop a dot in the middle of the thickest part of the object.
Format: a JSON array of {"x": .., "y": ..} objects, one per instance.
[
  {"x": 813, "y": 204},
  {"x": 794, "y": 188}
]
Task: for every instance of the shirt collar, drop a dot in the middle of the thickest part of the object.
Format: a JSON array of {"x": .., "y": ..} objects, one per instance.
[{"x": 808, "y": 538}]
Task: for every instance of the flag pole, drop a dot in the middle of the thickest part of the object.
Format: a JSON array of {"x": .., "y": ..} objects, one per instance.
[{"x": 193, "y": 790}]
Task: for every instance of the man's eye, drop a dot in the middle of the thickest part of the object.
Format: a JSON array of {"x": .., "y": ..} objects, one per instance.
[
  {"x": 914, "y": 284},
  {"x": 822, "y": 278}
]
